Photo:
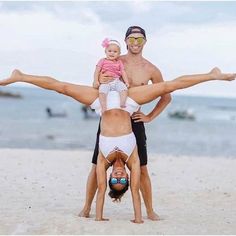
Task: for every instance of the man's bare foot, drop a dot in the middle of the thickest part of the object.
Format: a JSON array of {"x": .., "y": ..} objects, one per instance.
[
  {"x": 153, "y": 216},
  {"x": 15, "y": 77},
  {"x": 218, "y": 75},
  {"x": 84, "y": 213}
]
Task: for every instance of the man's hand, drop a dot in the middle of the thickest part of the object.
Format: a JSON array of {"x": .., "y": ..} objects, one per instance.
[
  {"x": 139, "y": 116},
  {"x": 105, "y": 78}
]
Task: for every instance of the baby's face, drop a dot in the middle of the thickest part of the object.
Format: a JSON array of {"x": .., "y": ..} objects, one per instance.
[{"x": 112, "y": 52}]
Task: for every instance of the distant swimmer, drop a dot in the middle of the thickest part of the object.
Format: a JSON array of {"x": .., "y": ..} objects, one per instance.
[
  {"x": 89, "y": 113},
  {"x": 51, "y": 114}
]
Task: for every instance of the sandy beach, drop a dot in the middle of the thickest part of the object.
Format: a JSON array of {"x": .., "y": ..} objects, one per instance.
[{"x": 42, "y": 192}]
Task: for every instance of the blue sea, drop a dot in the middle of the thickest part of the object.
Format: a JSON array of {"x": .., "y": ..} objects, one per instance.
[{"x": 24, "y": 124}]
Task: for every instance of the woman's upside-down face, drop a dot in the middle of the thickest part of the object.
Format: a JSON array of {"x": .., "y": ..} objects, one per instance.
[{"x": 119, "y": 178}]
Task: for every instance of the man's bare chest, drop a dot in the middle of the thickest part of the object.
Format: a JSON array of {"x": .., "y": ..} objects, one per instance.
[{"x": 137, "y": 76}]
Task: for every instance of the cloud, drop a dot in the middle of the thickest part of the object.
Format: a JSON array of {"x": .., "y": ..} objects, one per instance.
[
  {"x": 200, "y": 45},
  {"x": 140, "y": 6},
  {"x": 63, "y": 38},
  {"x": 40, "y": 29},
  {"x": 187, "y": 49}
]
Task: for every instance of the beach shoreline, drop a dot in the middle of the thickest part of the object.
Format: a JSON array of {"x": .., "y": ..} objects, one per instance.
[{"x": 44, "y": 190}]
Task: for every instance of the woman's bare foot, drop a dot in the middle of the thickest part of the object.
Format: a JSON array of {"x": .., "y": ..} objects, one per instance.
[
  {"x": 15, "y": 77},
  {"x": 84, "y": 213},
  {"x": 218, "y": 75},
  {"x": 153, "y": 216}
]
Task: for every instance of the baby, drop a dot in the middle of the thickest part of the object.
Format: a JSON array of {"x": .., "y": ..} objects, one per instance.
[{"x": 112, "y": 66}]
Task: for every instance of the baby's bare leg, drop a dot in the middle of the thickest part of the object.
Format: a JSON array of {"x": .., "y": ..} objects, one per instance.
[
  {"x": 123, "y": 97},
  {"x": 103, "y": 101}
]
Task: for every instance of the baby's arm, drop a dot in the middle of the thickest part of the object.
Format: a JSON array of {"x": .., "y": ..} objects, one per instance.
[
  {"x": 125, "y": 78},
  {"x": 123, "y": 74},
  {"x": 96, "y": 76}
]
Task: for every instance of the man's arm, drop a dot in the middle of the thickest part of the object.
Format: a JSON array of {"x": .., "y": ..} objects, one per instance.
[
  {"x": 104, "y": 78},
  {"x": 161, "y": 104}
]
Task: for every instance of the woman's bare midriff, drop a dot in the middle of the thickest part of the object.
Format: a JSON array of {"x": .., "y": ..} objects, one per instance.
[{"x": 115, "y": 122}]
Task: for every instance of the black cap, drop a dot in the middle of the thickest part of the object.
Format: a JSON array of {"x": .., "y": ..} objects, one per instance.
[{"x": 135, "y": 29}]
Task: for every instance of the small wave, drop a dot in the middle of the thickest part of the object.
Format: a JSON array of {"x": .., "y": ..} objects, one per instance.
[{"x": 221, "y": 107}]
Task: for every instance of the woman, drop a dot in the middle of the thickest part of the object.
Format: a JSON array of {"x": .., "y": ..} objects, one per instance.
[{"x": 117, "y": 143}]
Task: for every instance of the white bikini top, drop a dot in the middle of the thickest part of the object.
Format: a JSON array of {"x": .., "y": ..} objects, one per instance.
[{"x": 113, "y": 102}]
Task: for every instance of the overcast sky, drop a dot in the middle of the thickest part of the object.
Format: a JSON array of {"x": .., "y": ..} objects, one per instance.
[{"x": 63, "y": 39}]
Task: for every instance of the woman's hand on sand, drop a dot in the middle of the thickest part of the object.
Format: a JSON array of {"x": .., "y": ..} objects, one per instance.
[
  {"x": 137, "y": 221},
  {"x": 139, "y": 116},
  {"x": 101, "y": 219}
]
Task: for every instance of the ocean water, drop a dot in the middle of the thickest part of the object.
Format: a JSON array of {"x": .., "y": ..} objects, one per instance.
[{"x": 24, "y": 124}]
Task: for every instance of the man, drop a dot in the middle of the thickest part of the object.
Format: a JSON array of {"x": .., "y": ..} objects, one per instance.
[{"x": 140, "y": 72}]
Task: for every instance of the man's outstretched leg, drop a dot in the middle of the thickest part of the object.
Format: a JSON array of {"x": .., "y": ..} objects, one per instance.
[
  {"x": 146, "y": 190},
  {"x": 91, "y": 188}
]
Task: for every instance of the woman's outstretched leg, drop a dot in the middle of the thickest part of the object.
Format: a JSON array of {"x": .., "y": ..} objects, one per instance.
[
  {"x": 83, "y": 94},
  {"x": 147, "y": 93}
]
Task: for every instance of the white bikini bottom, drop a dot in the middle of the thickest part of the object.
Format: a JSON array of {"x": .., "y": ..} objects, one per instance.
[
  {"x": 125, "y": 143},
  {"x": 113, "y": 102}
]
